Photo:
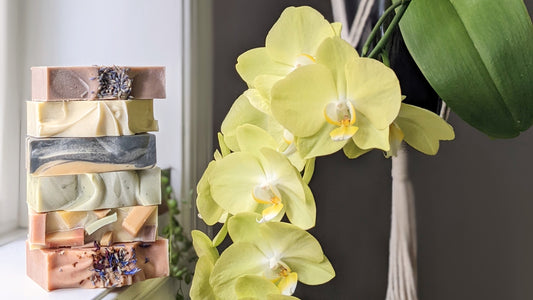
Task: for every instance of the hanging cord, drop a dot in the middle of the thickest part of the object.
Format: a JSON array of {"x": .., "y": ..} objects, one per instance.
[
  {"x": 402, "y": 245},
  {"x": 352, "y": 34}
]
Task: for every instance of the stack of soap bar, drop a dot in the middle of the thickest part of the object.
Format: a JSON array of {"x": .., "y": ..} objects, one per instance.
[{"x": 93, "y": 185}]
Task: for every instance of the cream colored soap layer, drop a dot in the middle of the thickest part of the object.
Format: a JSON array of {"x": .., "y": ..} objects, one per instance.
[
  {"x": 65, "y": 221},
  {"x": 90, "y": 118},
  {"x": 94, "y": 191}
]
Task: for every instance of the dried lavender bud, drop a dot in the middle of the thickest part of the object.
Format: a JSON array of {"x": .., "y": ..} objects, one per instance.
[{"x": 114, "y": 82}]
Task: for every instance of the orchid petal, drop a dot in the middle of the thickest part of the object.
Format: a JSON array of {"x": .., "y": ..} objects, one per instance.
[
  {"x": 242, "y": 112},
  {"x": 352, "y": 151},
  {"x": 298, "y": 30},
  {"x": 237, "y": 260},
  {"x": 233, "y": 180},
  {"x": 256, "y": 62},
  {"x": 258, "y": 101},
  {"x": 302, "y": 214},
  {"x": 320, "y": 143},
  {"x": 204, "y": 246},
  {"x": 252, "y": 138},
  {"x": 279, "y": 170},
  {"x": 374, "y": 90},
  {"x": 335, "y": 53},
  {"x": 368, "y": 136},
  {"x": 423, "y": 129},
  {"x": 311, "y": 273},
  {"x": 208, "y": 209},
  {"x": 298, "y": 101},
  {"x": 396, "y": 137},
  {"x": 200, "y": 288},
  {"x": 256, "y": 287}
]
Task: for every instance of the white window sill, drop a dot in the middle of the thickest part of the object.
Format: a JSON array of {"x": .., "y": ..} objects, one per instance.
[{"x": 16, "y": 285}]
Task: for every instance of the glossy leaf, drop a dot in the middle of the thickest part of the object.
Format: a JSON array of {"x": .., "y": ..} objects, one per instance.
[{"x": 477, "y": 55}]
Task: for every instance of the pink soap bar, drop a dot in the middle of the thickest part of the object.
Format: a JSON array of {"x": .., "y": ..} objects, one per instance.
[
  {"x": 97, "y": 82},
  {"x": 95, "y": 267}
]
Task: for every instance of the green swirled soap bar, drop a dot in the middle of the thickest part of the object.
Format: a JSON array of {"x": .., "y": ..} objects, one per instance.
[
  {"x": 92, "y": 191},
  {"x": 90, "y": 118}
]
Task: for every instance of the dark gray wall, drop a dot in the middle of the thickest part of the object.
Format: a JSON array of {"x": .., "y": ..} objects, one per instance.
[{"x": 474, "y": 199}]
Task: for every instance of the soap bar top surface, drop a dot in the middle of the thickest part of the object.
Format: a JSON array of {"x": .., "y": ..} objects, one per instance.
[
  {"x": 94, "y": 223},
  {"x": 90, "y": 118},
  {"x": 93, "y": 191},
  {"x": 97, "y": 82},
  {"x": 66, "y": 155},
  {"x": 95, "y": 267}
]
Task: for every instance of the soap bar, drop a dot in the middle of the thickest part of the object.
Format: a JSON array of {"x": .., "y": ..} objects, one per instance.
[
  {"x": 94, "y": 191},
  {"x": 97, "y": 82},
  {"x": 64, "y": 156},
  {"x": 64, "y": 223},
  {"x": 95, "y": 267},
  {"x": 90, "y": 118}
]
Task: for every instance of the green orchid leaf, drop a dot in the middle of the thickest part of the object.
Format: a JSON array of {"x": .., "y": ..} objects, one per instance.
[
  {"x": 319, "y": 144},
  {"x": 252, "y": 138},
  {"x": 298, "y": 101},
  {"x": 256, "y": 287},
  {"x": 255, "y": 62},
  {"x": 299, "y": 30},
  {"x": 208, "y": 209},
  {"x": 368, "y": 136},
  {"x": 242, "y": 112},
  {"x": 201, "y": 288},
  {"x": 423, "y": 129},
  {"x": 335, "y": 53},
  {"x": 204, "y": 246},
  {"x": 476, "y": 54},
  {"x": 237, "y": 260},
  {"x": 352, "y": 151},
  {"x": 233, "y": 180},
  {"x": 312, "y": 273},
  {"x": 374, "y": 90}
]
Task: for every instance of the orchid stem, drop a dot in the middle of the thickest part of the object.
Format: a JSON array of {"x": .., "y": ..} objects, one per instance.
[
  {"x": 309, "y": 170},
  {"x": 382, "y": 42}
]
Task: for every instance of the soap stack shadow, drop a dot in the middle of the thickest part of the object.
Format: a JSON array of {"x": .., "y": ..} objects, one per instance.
[{"x": 93, "y": 185}]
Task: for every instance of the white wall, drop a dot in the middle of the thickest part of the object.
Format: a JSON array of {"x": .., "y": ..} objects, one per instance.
[{"x": 105, "y": 32}]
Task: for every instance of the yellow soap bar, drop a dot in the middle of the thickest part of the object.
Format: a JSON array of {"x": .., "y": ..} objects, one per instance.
[
  {"x": 136, "y": 218},
  {"x": 90, "y": 118}
]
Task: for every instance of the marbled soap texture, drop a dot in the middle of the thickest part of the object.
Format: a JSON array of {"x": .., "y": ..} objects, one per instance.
[
  {"x": 94, "y": 267},
  {"x": 94, "y": 191},
  {"x": 90, "y": 118},
  {"x": 65, "y": 156}
]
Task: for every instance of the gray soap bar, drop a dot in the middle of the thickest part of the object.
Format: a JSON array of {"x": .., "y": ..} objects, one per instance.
[{"x": 65, "y": 156}]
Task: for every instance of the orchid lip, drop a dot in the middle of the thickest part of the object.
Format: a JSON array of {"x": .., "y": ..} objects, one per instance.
[
  {"x": 341, "y": 113},
  {"x": 268, "y": 194}
]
